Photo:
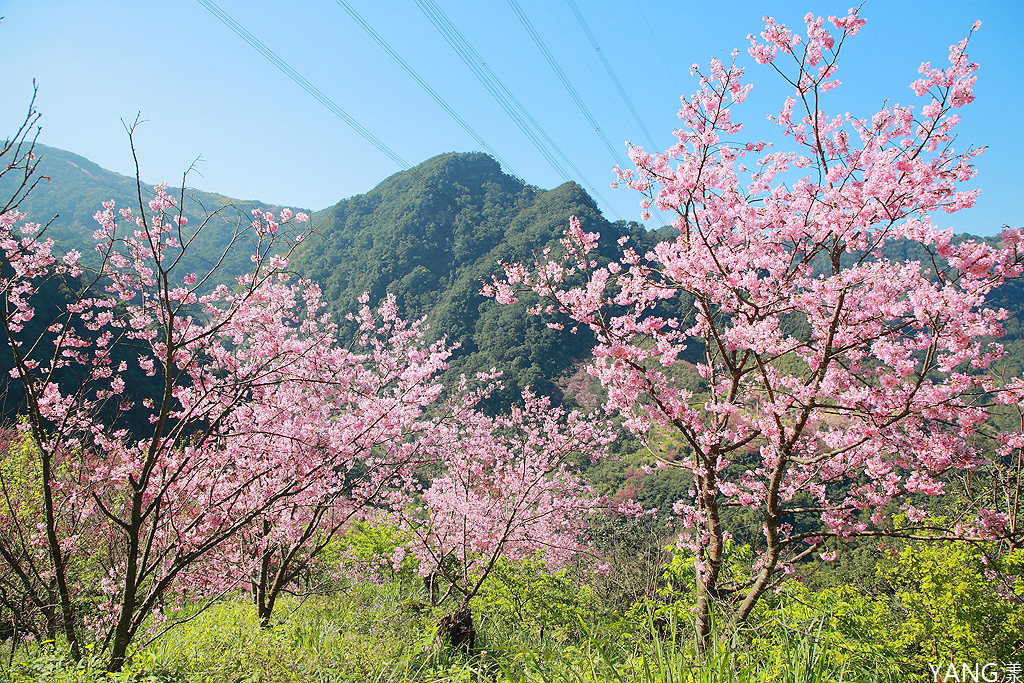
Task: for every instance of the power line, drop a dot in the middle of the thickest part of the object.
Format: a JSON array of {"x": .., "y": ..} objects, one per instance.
[
  {"x": 421, "y": 82},
  {"x": 487, "y": 78},
  {"x": 318, "y": 95},
  {"x": 541, "y": 198},
  {"x": 618, "y": 86},
  {"x": 668, "y": 69},
  {"x": 469, "y": 55},
  {"x": 570, "y": 39},
  {"x": 503, "y": 96},
  {"x": 611, "y": 73},
  {"x": 539, "y": 42}
]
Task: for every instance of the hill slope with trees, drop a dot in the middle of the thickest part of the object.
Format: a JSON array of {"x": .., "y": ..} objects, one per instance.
[
  {"x": 431, "y": 234},
  {"x": 428, "y": 235},
  {"x": 72, "y": 189}
]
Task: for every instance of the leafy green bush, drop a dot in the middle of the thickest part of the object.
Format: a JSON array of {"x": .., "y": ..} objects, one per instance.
[
  {"x": 366, "y": 550},
  {"x": 953, "y": 602},
  {"x": 535, "y": 603}
]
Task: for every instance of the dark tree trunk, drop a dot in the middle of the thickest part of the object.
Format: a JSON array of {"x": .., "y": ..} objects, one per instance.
[{"x": 457, "y": 629}]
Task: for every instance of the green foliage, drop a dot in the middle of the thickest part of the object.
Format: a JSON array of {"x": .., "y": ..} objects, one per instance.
[
  {"x": 20, "y": 476},
  {"x": 428, "y": 236},
  {"x": 537, "y": 625},
  {"x": 849, "y": 630},
  {"x": 536, "y": 603},
  {"x": 937, "y": 602},
  {"x": 49, "y": 662},
  {"x": 28, "y": 595},
  {"x": 633, "y": 552},
  {"x": 366, "y": 550},
  {"x": 354, "y": 635},
  {"x": 952, "y": 602}
]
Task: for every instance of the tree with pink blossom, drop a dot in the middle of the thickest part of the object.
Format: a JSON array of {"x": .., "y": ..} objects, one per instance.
[
  {"x": 263, "y": 427},
  {"x": 368, "y": 425},
  {"x": 834, "y": 381},
  {"x": 509, "y": 489}
]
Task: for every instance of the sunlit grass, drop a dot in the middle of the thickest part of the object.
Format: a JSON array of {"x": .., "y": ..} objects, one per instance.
[{"x": 384, "y": 634}]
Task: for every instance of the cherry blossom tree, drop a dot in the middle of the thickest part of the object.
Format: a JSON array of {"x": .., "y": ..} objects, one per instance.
[
  {"x": 256, "y": 417},
  {"x": 369, "y": 423},
  {"x": 834, "y": 380},
  {"x": 168, "y": 496},
  {"x": 509, "y": 490}
]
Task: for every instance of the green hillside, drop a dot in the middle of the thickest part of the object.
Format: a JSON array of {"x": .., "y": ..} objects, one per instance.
[
  {"x": 73, "y": 189},
  {"x": 430, "y": 235}
]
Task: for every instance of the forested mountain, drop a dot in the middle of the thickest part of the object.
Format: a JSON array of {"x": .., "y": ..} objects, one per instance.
[
  {"x": 428, "y": 235},
  {"x": 72, "y": 189}
]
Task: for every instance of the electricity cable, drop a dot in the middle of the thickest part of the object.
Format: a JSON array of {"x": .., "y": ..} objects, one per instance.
[
  {"x": 512, "y": 106},
  {"x": 611, "y": 73},
  {"x": 421, "y": 82},
  {"x": 475, "y": 64},
  {"x": 319, "y": 96},
  {"x": 468, "y": 54},
  {"x": 668, "y": 69},
  {"x": 539, "y": 42},
  {"x": 618, "y": 85}
]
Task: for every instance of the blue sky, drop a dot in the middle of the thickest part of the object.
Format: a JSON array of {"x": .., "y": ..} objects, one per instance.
[{"x": 206, "y": 93}]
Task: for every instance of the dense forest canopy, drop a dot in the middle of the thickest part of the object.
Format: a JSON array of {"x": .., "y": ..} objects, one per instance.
[{"x": 429, "y": 236}]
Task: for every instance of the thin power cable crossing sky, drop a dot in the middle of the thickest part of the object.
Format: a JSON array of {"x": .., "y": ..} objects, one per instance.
[
  {"x": 654, "y": 39},
  {"x": 318, "y": 95},
  {"x": 622, "y": 93},
  {"x": 509, "y": 102},
  {"x": 475, "y": 64},
  {"x": 553, "y": 63},
  {"x": 470, "y": 57},
  {"x": 542, "y": 198},
  {"x": 611, "y": 74},
  {"x": 422, "y": 83},
  {"x": 570, "y": 39},
  {"x": 301, "y": 81},
  {"x": 353, "y": 71}
]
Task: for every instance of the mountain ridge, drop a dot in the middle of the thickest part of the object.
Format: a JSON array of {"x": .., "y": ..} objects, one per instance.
[
  {"x": 428, "y": 235},
  {"x": 73, "y": 189},
  {"x": 431, "y": 235}
]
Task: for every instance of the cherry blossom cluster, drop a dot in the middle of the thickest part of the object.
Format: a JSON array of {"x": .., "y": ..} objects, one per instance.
[{"x": 509, "y": 489}]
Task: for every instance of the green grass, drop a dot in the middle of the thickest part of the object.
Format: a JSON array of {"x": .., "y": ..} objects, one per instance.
[{"x": 381, "y": 634}]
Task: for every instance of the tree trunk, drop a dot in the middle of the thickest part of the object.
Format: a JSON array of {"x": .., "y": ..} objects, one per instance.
[
  {"x": 125, "y": 628},
  {"x": 264, "y": 610},
  {"x": 457, "y": 630},
  {"x": 264, "y": 598},
  {"x": 703, "y": 626},
  {"x": 708, "y": 578},
  {"x": 56, "y": 556}
]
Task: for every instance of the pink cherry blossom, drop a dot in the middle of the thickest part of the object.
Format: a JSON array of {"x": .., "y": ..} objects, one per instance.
[
  {"x": 265, "y": 435},
  {"x": 508, "y": 490},
  {"x": 841, "y": 379}
]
